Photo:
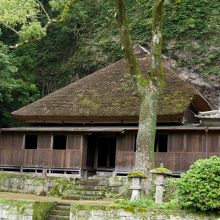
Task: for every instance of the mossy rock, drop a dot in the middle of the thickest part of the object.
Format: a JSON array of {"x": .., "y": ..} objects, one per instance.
[{"x": 137, "y": 174}]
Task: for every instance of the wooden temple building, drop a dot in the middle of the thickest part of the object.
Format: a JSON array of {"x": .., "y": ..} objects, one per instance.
[{"x": 90, "y": 126}]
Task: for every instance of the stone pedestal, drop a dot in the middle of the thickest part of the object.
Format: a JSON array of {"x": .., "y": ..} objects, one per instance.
[
  {"x": 160, "y": 179},
  {"x": 136, "y": 188},
  {"x": 160, "y": 173}
]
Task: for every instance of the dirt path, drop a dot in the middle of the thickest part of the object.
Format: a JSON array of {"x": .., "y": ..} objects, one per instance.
[{"x": 32, "y": 197}]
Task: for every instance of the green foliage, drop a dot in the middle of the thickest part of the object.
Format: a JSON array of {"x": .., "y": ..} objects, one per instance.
[
  {"x": 170, "y": 189},
  {"x": 90, "y": 31},
  {"x": 41, "y": 210},
  {"x": 29, "y": 19},
  {"x": 61, "y": 185},
  {"x": 140, "y": 203},
  {"x": 145, "y": 203},
  {"x": 57, "y": 5},
  {"x": 199, "y": 187},
  {"x": 31, "y": 32},
  {"x": 15, "y": 12},
  {"x": 78, "y": 45},
  {"x": 22, "y": 18},
  {"x": 15, "y": 89},
  {"x": 191, "y": 31},
  {"x": 139, "y": 174}
]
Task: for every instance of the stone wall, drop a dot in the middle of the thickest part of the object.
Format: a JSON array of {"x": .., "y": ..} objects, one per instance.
[
  {"x": 33, "y": 184},
  {"x": 23, "y": 184},
  {"x": 10, "y": 213},
  {"x": 25, "y": 210},
  {"x": 80, "y": 214},
  {"x": 19, "y": 210}
]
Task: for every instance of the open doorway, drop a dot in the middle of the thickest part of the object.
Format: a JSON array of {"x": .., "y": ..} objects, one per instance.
[
  {"x": 161, "y": 143},
  {"x": 106, "y": 152},
  {"x": 101, "y": 152}
]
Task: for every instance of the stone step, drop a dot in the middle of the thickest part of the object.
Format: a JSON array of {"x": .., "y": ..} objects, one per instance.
[
  {"x": 85, "y": 193},
  {"x": 60, "y": 212},
  {"x": 89, "y": 193},
  {"x": 71, "y": 197},
  {"x": 58, "y": 217},
  {"x": 92, "y": 188},
  {"x": 62, "y": 204},
  {"x": 91, "y": 197},
  {"x": 64, "y": 213},
  {"x": 62, "y": 207},
  {"x": 83, "y": 197},
  {"x": 94, "y": 182}
]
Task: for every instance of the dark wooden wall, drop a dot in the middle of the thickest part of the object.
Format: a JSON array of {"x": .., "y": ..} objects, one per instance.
[
  {"x": 183, "y": 148},
  {"x": 12, "y": 152},
  {"x": 194, "y": 142},
  {"x": 180, "y": 162},
  {"x": 125, "y": 154},
  {"x": 11, "y": 141},
  {"x": 44, "y": 141}
]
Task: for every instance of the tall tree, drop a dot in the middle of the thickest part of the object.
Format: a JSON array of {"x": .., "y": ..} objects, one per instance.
[{"x": 148, "y": 86}]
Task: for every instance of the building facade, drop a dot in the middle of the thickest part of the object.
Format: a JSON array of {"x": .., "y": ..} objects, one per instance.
[{"x": 90, "y": 126}]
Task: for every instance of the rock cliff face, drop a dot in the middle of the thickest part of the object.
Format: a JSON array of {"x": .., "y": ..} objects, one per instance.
[{"x": 209, "y": 86}]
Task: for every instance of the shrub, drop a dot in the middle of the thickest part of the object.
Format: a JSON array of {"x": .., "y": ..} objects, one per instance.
[
  {"x": 199, "y": 188},
  {"x": 60, "y": 185},
  {"x": 41, "y": 210},
  {"x": 170, "y": 189},
  {"x": 140, "y": 203}
]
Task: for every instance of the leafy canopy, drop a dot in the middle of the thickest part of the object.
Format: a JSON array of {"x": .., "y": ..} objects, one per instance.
[
  {"x": 29, "y": 19},
  {"x": 15, "y": 89}
]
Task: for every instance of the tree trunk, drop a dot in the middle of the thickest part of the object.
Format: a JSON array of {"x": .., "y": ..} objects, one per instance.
[
  {"x": 144, "y": 160},
  {"x": 149, "y": 100},
  {"x": 148, "y": 87}
]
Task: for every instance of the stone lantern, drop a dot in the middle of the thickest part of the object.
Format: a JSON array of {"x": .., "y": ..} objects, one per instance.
[
  {"x": 136, "y": 177},
  {"x": 160, "y": 173}
]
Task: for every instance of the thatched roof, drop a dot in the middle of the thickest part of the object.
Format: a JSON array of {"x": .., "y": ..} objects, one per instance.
[
  {"x": 210, "y": 118},
  {"x": 215, "y": 114},
  {"x": 108, "y": 94}
]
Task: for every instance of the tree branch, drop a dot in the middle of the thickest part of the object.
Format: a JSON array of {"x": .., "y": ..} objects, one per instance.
[
  {"x": 10, "y": 28},
  {"x": 156, "y": 44},
  {"x": 43, "y": 9},
  {"x": 133, "y": 65}
]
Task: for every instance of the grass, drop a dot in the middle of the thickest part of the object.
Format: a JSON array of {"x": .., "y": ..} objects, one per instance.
[{"x": 32, "y": 197}]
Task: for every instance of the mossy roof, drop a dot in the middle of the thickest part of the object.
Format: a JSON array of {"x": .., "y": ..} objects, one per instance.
[{"x": 108, "y": 93}]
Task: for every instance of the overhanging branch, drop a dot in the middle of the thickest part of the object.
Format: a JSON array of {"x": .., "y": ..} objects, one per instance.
[
  {"x": 9, "y": 27},
  {"x": 133, "y": 65},
  {"x": 43, "y": 9},
  {"x": 156, "y": 44}
]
